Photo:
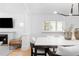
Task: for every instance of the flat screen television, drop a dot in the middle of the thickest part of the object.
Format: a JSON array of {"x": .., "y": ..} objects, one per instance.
[{"x": 6, "y": 23}]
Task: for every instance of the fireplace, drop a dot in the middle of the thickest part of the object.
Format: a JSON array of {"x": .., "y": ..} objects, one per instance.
[{"x": 4, "y": 38}]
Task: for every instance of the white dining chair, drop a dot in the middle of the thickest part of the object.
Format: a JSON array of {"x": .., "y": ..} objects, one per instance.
[
  {"x": 66, "y": 51},
  {"x": 25, "y": 42},
  {"x": 37, "y": 51}
]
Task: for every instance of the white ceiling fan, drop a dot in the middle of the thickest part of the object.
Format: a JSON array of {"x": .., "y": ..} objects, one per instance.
[{"x": 71, "y": 12}]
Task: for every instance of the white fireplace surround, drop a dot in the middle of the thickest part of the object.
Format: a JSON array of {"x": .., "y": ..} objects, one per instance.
[{"x": 10, "y": 32}]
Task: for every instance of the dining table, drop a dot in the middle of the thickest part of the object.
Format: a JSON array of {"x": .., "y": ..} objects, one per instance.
[{"x": 54, "y": 42}]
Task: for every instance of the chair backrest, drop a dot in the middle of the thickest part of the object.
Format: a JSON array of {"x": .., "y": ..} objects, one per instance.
[
  {"x": 68, "y": 51},
  {"x": 32, "y": 39},
  {"x": 25, "y": 42}
]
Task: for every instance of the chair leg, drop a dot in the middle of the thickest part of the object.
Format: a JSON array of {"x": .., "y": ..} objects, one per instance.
[
  {"x": 35, "y": 52},
  {"x": 31, "y": 51},
  {"x": 54, "y": 50},
  {"x": 46, "y": 51}
]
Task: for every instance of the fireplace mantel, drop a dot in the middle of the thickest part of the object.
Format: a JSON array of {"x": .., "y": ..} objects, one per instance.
[
  {"x": 10, "y": 32},
  {"x": 7, "y": 30}
]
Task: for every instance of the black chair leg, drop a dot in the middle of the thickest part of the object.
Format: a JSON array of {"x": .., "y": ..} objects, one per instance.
[
  {"x": 35, "y": 52},
  {"x": 54, "y": 50},
  {"x": 31, "y": 51},
  {"x": 46, "y": 51}
]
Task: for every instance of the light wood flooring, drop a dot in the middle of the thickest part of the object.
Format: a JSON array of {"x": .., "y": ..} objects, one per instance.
[{"x": 19, "y": 52}]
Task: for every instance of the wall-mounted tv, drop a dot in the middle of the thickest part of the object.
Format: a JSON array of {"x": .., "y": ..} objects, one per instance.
[{"x": 6, "y": 23}]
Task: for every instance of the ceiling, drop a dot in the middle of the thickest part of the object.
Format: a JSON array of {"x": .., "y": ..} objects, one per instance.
[
  {"x": 49, "y": 8},
  {"x": 37, "y": 8},
  {"x": 12, "y": 8}
]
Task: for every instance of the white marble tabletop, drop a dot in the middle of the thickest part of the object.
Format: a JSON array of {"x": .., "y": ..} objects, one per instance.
[{"x": 51, "y": 41}]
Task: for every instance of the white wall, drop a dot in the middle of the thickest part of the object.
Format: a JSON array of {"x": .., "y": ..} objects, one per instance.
[
  {"x": 19, "y": 14},
  {"x": 37, "y": 21},
  {"x": 21, "y": 20},
  {"x": 33, "y": 15},
  {"x": 41, "y": 12}
]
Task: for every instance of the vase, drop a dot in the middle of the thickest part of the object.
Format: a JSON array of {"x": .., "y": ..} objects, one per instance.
[
  {"x": 68, "y": 35},
  {"x": 76, "y": 33}
]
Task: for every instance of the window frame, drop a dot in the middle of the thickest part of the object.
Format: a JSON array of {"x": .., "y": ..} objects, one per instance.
[{"x": 56, "y": 26}]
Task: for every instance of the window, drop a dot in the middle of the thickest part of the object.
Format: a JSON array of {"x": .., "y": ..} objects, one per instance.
[
  {"x": 53, "y": 26},
  {"x": 59, "y": 26}
]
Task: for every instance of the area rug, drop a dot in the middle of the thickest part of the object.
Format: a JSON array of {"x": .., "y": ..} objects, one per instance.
[{"x": 4, "y": 50}]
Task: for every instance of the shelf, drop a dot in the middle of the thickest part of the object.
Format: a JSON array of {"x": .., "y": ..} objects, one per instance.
[
  {"x": 7, "y": 30},
  {"x": 52, "y": 31}
]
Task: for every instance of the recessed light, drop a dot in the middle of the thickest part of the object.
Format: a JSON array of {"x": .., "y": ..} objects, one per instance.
[
  {"x": 55, "y": 12},
  {"x": 21, "y": 24}
]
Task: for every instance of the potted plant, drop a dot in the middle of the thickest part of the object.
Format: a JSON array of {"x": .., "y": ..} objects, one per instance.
[{"x": 68, "y": 32}]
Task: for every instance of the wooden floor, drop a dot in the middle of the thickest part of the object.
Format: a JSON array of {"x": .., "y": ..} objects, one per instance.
[{"x": 19, "y": 52}]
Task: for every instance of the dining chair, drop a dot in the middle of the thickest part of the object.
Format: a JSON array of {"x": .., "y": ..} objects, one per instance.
[
  {"x": 25, "y": 42},
  {"x": 52, "y": 51},
  {"x": 37, "y": 50},
  {"x": 65, "y": 51}
]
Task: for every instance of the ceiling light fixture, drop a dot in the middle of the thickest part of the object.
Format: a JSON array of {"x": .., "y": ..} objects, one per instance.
[
  {"x": 71, "y": 12},
  {"x": 55, "y": 12}
]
